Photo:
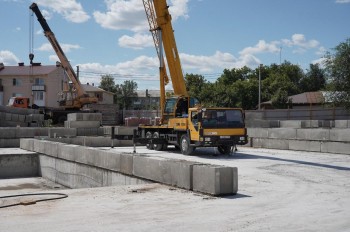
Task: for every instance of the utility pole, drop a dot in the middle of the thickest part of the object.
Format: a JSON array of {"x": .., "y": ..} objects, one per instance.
[{"x": 78, "y": 72}]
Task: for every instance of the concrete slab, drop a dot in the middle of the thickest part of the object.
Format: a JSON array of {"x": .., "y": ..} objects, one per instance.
[{"x": 19, "y": 165}]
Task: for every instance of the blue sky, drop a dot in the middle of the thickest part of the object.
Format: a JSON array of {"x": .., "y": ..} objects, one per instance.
[{"x": 112, "y": 37}]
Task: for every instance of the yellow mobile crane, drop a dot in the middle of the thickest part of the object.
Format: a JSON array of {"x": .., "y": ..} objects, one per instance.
[
  {"x": 184, "y": 123},
  {"x": 74, "y": 96}
]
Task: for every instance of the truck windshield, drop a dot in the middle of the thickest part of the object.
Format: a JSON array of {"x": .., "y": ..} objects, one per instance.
[{"x": 229, "y": 118}]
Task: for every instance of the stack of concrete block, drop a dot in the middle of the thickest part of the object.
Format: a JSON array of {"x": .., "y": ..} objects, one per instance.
[
  {"x": 332, "y": 140},
  {"x": 77, "y": 167},
  {"x": 10, "y": 136},
  {"x": 14, "y": 117},
  {"x": 83, "y": 120}
]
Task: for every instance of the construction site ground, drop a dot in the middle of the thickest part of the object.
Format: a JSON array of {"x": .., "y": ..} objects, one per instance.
[{"x": 278, "y": 191}]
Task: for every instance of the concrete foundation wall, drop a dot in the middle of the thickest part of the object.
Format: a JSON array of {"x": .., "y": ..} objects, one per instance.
[
  {"x": 19, "y": 165},
  {"x": 79, "y": 166}
]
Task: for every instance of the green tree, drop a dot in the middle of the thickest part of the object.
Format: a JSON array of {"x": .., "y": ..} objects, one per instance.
[
  {"x": 338, "y": 70},
  {"x": 107, "y": 83},
  {"x": 195, "y": 85},
  {"x": 125, "y": 93},
  {"x": 314, "y": 79}
]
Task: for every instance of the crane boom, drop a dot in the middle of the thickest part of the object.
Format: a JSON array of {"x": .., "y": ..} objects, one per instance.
[
  {"x": 82, "y": 97},
  {"x": 159, "y": 20}
]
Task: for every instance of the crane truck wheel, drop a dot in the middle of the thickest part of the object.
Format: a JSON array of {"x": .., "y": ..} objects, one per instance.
[
  {"x": 224, "y": 149},
  {"x": 157, "y": 147},
  {"x": 149, "y": 135},
  {"x": 185, "y": 147}
]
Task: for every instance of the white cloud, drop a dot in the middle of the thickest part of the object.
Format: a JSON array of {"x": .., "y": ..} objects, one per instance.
[
  {"x": 299, "y": 40},
  {"x": 70, "y": 9},
  {"x": 342, "y": 1},
  {"x": 130, "y": 15},
  {"x": 8, "y": 58},
  {"x": 120, "y": 14},
  {"x": 65, "y": 47},
  {"x": 137, "y": 41},
  {"x": 260, "y": 47},
  {"x": 179, "y": 8},
  {"x": 321, "y": 51}
]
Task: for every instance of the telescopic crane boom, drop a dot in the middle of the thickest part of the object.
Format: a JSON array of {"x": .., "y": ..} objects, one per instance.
[{"x": 82, "y": 97}]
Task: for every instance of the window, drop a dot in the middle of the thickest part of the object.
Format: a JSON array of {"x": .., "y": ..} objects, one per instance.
[
  {"x": 39, "y": 81},
  {"x": 16, "y": 82},
  {"x": 38, "y": 95}
]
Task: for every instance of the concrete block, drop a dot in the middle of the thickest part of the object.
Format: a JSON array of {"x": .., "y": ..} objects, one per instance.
[
  {"x": 21, "y": 118},
  {"x": 126, "y": 163},
  {"x": 290, "y": 124},
  {"x": 14, "y": 118},
  {"x": 340, "y": 135},
  {"x": 282, "y": 133},
  {"x": 341, "y": 123},
  {"x": 8, "y": 116},
  {"x": 7, "y": 133},
  {"x": 215, "y": 180},
  {"x": 86, "y": 155},
  {"x": 19, "y": 165},
  {"x": 313, "y": 134},
  {"x": 326, "y": 123},
  {"x": 257, "y": 132},
  {"x": 82, "y": 124},
  {"x": 27, "y": 132},
  {"x": 259, "y": 142},
  {"x": 97, "y": 142},
  {"x": 282, "y": 144},
  {"x": 61, "y": 132},
  {"x": 84, "y": 117},
  {"x": 27, "y": 144},
  {"x": 304, "y": 145},
  {"x": 336, "y": 147},
  {"x": 309, "y": 124},
  {"x": 108, "y": 160},
  {"x": 176, "y": 173},
  {"x": 9, "y": 142},
  {"x": 67, "y": 151},
  {"x": 90, "y": 131}
]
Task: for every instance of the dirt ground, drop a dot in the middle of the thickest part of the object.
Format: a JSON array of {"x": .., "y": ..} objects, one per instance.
[{"x": 278, "y": 191}]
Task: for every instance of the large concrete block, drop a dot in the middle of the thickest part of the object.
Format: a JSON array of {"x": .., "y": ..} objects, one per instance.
[
  {"x": 84, "y": 117},
  {"x": 9, "y": 143},
  {"x": 7, "y": 133},
  {"x": 28, "y": 132},
  {"x": 290, "y": 124},
  {"x": 67, "y": 151},
  {"x": 341, "y": 123},
  {"x": 82, "y": 124},
  {"x": 97, "y": 142},
  {"x": 176, "y": 173},
  {"x": 313, "y": 134},
  {"x": 340, "y": 135},
  {"x": 304, "y": 145},
  {"x": 90, "y": 131},
  {"x": 282, "y": 133},
  {"x": 282, "y": 144},
  {"x": 215, "y": 180},
  {"x": 257, "y": 132},
  {"x": 27, "y": 144},
  {"x": 336, "y": 147},
  {"x": 61, "y": 132},
  {"x": 108, "y": 160},
  {"x": 309, "y": 124},
  {"x": 126, "y": 163},
  {"x": 259, "y": 142}
]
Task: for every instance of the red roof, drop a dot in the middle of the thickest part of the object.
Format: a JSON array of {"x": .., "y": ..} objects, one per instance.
[
  {"x": 27, "y": 70},
  {"x": 308, "y": 98}
]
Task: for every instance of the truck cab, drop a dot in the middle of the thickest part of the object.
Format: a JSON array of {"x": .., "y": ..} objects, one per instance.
[{"x": 19, "y": 102}]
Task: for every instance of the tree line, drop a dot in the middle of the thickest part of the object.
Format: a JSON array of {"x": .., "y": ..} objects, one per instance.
[{"x": 239, "y": 87}]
